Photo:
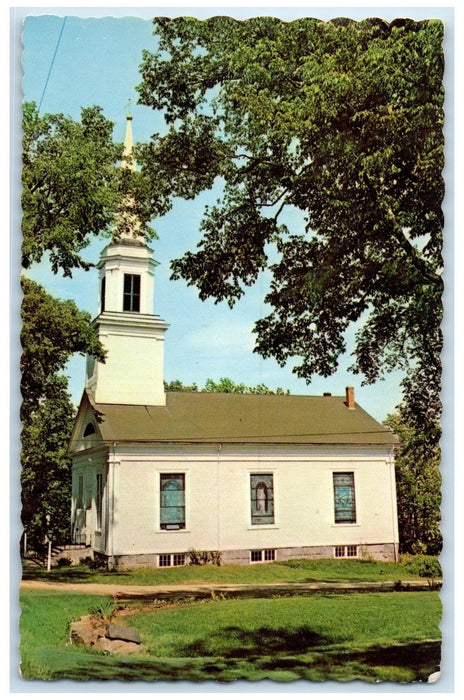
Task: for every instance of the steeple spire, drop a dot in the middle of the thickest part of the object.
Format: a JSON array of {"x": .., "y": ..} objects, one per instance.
[
  {"x": 128, "y": 153},
  {"x": 127, "y": 224}
]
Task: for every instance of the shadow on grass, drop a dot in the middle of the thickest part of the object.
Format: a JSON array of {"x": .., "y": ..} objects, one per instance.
[
  {"x": 400, "y": 663},
  {"x": 239, "y": 643},
  {"x": 70, "y": 574}
]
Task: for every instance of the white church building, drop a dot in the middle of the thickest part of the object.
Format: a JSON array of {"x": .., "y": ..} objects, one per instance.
[{"x": 256, "y": 478}]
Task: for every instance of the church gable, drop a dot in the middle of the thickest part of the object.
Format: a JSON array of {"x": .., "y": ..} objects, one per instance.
[{"x": 86, "y": 433}]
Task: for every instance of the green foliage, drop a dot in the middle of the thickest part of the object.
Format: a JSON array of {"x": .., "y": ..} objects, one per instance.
[
  {"x": 422, "y": 565},
  {"x": 105, "y": 609},
  {"x": 201, "y": 558},
  {"x": 418, "y": 483},
  {"x": 225, "y": 385},
  {"x": 341, "y": 122},
  {"x": 63, "y": 561},
  {"x": 52, "y": 330},
  {"x": 73, "y": 187}
]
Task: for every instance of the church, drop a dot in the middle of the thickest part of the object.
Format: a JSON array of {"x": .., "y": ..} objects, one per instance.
[{"x": 158, "y": 476}]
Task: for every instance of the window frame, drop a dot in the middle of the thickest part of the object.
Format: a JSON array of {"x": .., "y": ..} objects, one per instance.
[
  {"x": 103, "y": 294},
  {"x": 257, "y": 516},
  {"x": 174, "y": 525},
  {"x": 131, "y": 292},
  {"x": 344, "y": 515},
  {"x": 99, "y": 491},
  {"x": 80, "y": 492}
]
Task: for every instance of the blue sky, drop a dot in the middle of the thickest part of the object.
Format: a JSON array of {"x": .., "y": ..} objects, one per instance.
[{"x": 76, "y": 62}]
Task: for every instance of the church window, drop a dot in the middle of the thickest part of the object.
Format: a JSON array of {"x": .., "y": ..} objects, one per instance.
[
  {"x": 262, "y": 499},
  {"x": 344, "y": 497},
  {"x": 99, "y": 500},
  {"x": 172, "y": 501},
  {"x": 131, "y": 298},
  {"x": 80, "y": 491},
  {"x": 89, "y": 430},
  {"x": 103, "y": 293}
]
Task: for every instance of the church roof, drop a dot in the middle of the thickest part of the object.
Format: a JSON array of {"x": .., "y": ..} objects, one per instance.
[{"x": 203, "y": 417}]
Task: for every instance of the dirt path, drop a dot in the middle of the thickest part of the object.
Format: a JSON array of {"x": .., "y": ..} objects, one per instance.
[{"x": 121, "y": 590}]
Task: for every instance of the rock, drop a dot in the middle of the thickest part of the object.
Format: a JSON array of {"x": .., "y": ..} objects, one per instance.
[
  {"x": 117, "y": 646},
  {"x": 86, "y": 631},
  {"x": 126, "y": 634}
]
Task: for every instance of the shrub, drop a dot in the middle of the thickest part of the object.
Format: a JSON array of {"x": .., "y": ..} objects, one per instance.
[
  {"x": 422, "y": 565},
  {"x": 64, "y": 561},
  {"x": 91, "y": 563},
  {"x": 201, "y": 558}
]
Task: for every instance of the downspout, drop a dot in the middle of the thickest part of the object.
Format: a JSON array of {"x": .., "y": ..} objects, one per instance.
[
  {"x": 111, "y": 509},
  {"x": 218, "y": 505},
  {"x": 394, "y": 509}
]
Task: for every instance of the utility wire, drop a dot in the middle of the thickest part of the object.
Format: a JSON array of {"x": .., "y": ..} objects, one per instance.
[{"x": 52, "y": 62}]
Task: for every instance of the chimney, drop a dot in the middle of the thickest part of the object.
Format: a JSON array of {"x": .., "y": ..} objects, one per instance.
[{"x": 350, "y": 397}]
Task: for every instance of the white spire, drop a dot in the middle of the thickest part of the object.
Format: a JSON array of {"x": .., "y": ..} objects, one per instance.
[
  {"x": 128, "y": 153},
  {"x": 127, "y": 225}
]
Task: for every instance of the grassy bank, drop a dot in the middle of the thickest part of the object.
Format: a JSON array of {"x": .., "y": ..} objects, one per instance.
[
  {"x": 384, "y": 636},
  {"x": 296, "y": 571}
]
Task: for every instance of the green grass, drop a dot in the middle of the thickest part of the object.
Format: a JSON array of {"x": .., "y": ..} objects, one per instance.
[
  {"x": 296, "y": 571},
  {"x": 376, "y": 636}
]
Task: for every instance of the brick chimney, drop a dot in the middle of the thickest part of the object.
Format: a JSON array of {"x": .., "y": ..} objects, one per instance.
[{"x": 350, "y": 397}]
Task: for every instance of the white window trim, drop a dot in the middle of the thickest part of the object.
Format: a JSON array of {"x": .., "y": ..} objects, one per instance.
[
  {"x": 157, "y": 508},
  {"x": 264, "y": 526}
]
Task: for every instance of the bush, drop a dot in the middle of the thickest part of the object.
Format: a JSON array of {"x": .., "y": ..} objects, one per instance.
[
  {"x": 91, "y": 563},
  {"x": 422, "y": 565},
  {"x": 64, "y": 561},
  {"x": 197, "y": 558}
]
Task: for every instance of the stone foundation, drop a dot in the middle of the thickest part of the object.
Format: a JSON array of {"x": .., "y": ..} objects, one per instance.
[{"x": 378, "y": 552}]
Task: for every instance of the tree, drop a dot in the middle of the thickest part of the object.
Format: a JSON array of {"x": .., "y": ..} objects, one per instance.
[
  {"x": 52, "y": 330},
  {"x": 225, "y": 385},
  {"x": 46, "y": 467},
  {"x": 341, "y": 121},
  {"x": 73, "y": 187},
  {"x": 418, "y": 483}
]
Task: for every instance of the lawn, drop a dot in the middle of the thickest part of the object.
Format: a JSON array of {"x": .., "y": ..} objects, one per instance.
[
  {"x": 296, "y": 571},
  {"x": 374, "y": 636}
]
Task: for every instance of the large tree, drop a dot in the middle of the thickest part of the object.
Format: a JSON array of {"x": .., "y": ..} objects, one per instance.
[
  {"x": 74, "y": 187},
  {"x": 418, "y": 485},
  {"x": 52, "y": 331},
  {"x": 342, "y": 122}
]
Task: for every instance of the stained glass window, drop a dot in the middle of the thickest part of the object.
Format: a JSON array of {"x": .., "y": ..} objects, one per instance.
[
  {"x": 262, "y": 499},
  {"x": 172, "y": 501},
  {"x": 344, "y": 497}
]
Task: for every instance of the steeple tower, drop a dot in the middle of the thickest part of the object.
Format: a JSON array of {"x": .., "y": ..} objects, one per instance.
[{"x": 127, "y": 327}]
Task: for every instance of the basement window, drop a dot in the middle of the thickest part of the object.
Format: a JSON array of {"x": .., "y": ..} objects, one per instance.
[
  {"x": 171, "y": 559},
  {"x": 257, "y": 555},
  {"x": 342, "y": 551}
]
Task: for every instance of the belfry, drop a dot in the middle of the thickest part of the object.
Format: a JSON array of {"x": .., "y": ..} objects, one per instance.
[{"x": 131, "y": 333}]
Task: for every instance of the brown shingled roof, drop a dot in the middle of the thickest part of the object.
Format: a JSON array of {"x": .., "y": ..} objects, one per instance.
[{"x": 203, "y": 417}]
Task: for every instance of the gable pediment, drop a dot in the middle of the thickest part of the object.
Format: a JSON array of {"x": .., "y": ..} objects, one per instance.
[{"x": 86, "y": 434}]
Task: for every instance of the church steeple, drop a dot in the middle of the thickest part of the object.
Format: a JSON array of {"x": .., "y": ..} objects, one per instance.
[
  {"x": 128, "y": 152},
  {"x": 129, "y": 330}
]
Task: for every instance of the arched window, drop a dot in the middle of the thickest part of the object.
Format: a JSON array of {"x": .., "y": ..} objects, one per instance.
[
  {"x": 262, "y": 499},
  {"x": 172, "y": 501},
  {"x": 89, "y": 430}
]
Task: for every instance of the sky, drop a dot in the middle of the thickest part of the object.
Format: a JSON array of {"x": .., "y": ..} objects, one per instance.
[{"x": 70, "y": 62}]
